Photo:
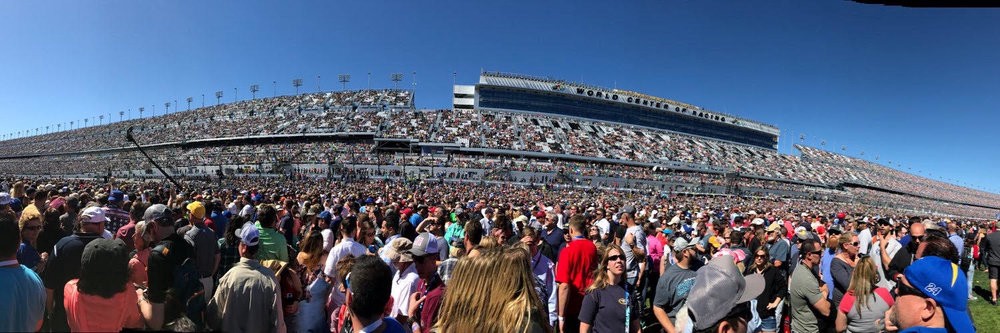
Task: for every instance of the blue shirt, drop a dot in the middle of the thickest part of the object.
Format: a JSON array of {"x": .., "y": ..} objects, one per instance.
[
  {"x": 22, "y": 305},
  {"x": 919, "y": 329},
  {"x": 824, "y": 267},
  {"x": 220, "y": 220},
  {"x": 955, "y": 239},
  {"x": 27, "y": 255}
]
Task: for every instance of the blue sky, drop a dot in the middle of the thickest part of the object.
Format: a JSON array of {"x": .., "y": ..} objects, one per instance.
[{"x": 912, "y": 86}]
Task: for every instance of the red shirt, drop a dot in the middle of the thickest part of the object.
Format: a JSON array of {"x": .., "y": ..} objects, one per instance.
[{"x": 575, "y": 267}]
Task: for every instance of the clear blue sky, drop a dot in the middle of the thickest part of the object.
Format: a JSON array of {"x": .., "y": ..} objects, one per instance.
[{"x": 912, "y": 86}]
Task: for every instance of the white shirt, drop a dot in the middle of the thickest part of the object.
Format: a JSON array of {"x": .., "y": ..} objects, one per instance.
[
  {"x": 603, "y": 226},
  {"x": 864, "y": 240},
  {"x": 544, "y": 269},
  {"x": 404, "y": 284},
  {"x": 346, "y": 247}
]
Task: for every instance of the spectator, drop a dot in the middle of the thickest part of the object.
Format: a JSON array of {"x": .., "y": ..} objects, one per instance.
[
  {"x": 272, "y": 242},
  {"x": 674, "y": 285},
  {"x": 166, "y": 257},
  {"x": 576, "y": 263},
  {"x": 807, "y": 294},
  {"x": 126, "y": 232},
  {"x": 472, "y": 234},
  {"x": 610, "y": 303},
  {"x": 113, "y": 210},
  {"x": 229, "y": 247},
  {"x": 424, "y": 304},
  {"x": 474, "y": 304},
  {"x": 22, "y": 306},
  {"x": 30, "y": 224},
  {"x": 886, "y": 246},
  {"x": 864, "y": 304},
  {"x": 544, "y": 270},
  {"x": 775, "y": 290},
  {"x": 405, "y": 280},
  {"x": 248, "y": 297},
  {"x": 347, "y": 246},
  {"x": 142, "y": 239},
  {"x": 719, "y": 299},
  {"x": 931, "y": 298},
  {"x": 843, "y": 265},
  {"x": 205, "y": 245},
  {"x": 904, "y": 256},
  {"x": 64, "y": 265},
  {"x": 553, "y": 236},
  {"x": 68, "y": 219},
  {"x": 368, "y": 286},
  {"x": 52, "y": 231},
  {"x": 102, "y": 299},
  {"x": 864, "y": 235},
  {"x": 218, "y": 220},
  {"x": 312, "y": 310}
]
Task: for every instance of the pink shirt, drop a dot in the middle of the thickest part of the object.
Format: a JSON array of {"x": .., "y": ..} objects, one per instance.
[
  {"x": 654, "y": 247},
  {"x": 137, "y": 267},
  {"x": 92, "y": 313}
]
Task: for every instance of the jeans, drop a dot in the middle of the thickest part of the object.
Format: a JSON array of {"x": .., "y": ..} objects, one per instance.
[{"x": 971, "y": 271}]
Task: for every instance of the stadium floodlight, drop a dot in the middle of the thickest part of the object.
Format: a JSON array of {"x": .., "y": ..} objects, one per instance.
[
  {"x": 344, "y": 79},
  {"x": 102, "y": 119},
  {"x": 274, "y": 88},
  {"x": 189, "y": 99},
  {"x": 236, "y": 92},
  {"x": 414, "y": 80},
  {"x": 253, "y": 90},
  {"x": 319, "y": 86},
  {"x": 396, "y": 77},
  {"x": 166, "y": 106},
  {"x": 121, "y": 115},
  {"x": 218, "y": 97},
  {"x": 141, "y": 110},
  {"x": 154, "y": 110},
  {"x": 369, "y": 80},
  {"x": 297, "y": 83},
  {"x": 202, "y": 100}
]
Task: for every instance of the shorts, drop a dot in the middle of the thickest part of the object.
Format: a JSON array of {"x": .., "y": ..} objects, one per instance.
[
  {"x": 994, "y": 272},
  {"x": 769, "y": 324}
]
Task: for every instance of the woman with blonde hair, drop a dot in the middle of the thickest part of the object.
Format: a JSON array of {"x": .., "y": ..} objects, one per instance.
[
  {"x": 609, "y": 305},
  {"x": 508, "y": 304},
  {"x": 865, "y": 303}
]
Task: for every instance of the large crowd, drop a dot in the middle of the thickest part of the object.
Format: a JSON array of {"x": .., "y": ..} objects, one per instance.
[{"x": 254, "y": 254}]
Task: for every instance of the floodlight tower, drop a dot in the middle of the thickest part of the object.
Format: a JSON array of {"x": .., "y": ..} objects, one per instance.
[
  {"x": 189, "y": 99},
  {"x": 218, "y": 97},
  {"x": 254, "y": 88},
  {"x": 344, "y": 79},
  {"x": 167, "y": 107},
  {"x": 121, "y": 115},
  {"x": 102, "y": 119},
  {"x": 396, "y": 77},
  {"x": 297, "y": 83},
  {"x": 141, "y": 110}
]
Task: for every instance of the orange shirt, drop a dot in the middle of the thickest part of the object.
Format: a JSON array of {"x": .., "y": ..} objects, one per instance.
[{"x": 92, "y": 313}]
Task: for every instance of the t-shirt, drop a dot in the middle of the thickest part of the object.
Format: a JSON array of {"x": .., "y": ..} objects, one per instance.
[
  {"x": 272, "y": 245},
  {"x": 874, "y": 310},
  {"x": 604, "y": 309},
  {"x": 556, "y": 239},
  {"x": 205, "y": 245},
  {"x": 576, "y": 265},
  {"x": 137, "y": 267},
  {"x": 64, "y": 265},
  {"x": 429, "y": 309},
  {"x": 672, "y": 289},
  {"x": 27, "y": 255},
  {"x": 404, "y": 284},
  {"x": 631, "y": 264},
  {"x": 119, "y": 218},
  {"x": 126, "y": 233},
  {"x": 22, "y": 304},
  {"x": 92, "y": 313},
  {"x": 841, "y": 272},
  {"x": 287, "y": 226},
  {"x": 864, "y": 241},
  {"x": 803, "y": 293},
  {"x": 779, "y": 251}
]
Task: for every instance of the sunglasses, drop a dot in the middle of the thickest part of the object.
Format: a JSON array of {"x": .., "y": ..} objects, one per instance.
[
  {"x": 918, "y": 238},
  {"x": 616, "y": 257},
  {"x": 816, "y": 252},
  {"x": 855, "y": 244},
  {"x": 760, "y": 256},
  {"x": 904, "y": 289}
]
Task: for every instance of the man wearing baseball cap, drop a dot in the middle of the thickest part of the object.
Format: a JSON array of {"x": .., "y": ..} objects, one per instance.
[
  {"x": 933, "y": 297},
  {"x": 430, "y": 291},
  {"x": 167, "y": 255},
  {"x": 64, "y": 263},
  {"x": 675, "y": 283},
  {"x": 248, "y": 297},
  {"x": 719, "y": 300},
  {"x": 117, "y": 217}
]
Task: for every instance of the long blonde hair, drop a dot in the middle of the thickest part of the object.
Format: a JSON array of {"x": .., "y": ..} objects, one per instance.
[
  {"x": 601, "y": 279},
  {"x": 492, "y": 292},
  {"x": 863, "y": 282}
]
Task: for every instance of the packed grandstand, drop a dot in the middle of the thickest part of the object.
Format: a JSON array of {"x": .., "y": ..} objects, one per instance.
[{"x": 507, "y": 128}]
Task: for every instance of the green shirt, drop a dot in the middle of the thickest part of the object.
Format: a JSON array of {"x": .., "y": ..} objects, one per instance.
[
  {"x": 803, "y": 293},
  {"x": 272, "y": 245}
]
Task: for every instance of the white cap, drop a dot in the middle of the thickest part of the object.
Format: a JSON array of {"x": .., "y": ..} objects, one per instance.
[{"x": 94, "y": 215}]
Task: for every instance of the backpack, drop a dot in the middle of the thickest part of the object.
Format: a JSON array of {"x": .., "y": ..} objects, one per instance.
[{"x": 190, "y": 291}]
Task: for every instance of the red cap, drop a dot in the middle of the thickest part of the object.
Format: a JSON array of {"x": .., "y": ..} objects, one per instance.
[
  {"x": 540, "y": 215},
  {"x": 841, "y": 215}
]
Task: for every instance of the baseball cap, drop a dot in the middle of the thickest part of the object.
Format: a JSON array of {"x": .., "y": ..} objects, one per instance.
[
  {"x": 105, "y": 256},
  {"x": 116, "y": 196},
  {"x": 424, "y": 244},
  {"x": 325, "y": 216},
  {"x": 841, "y": 215},
  {"x": 156, "y": 213},
  {"x": 712, "y": 297},
  {"x": 197, "y": 210},
  {"x": 752, "y": 212},
  {"x": 94, "y": 215},
  {"x": 757, "y": 221},
  {"x": 941, "y": 280},
  {"x": 773, "y": 227},
  {"x": 248, "y": 234},
  {"x": 628, "y": 209},
  {"x": 680, "y": 244},
  {"x": 314, "y": 210}
]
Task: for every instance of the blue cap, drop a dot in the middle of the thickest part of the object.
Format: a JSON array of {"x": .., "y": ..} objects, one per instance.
[
  {"x": 667, "y": 231},
  {"x": 945, "y": 283},
  {"x": 116, "y": 196},
  {"x": 325, "y": 216}
]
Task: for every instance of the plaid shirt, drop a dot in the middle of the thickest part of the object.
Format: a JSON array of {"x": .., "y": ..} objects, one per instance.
[{"x": 230, "y": 255}]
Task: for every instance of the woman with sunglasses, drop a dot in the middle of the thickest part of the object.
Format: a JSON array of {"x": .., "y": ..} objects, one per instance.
[
  {"x": 843, "y": 265},
  {"x": 865, "y": 302},
  {"x": 31, "y": 225},
  {"x": 775, "y": 289},
  {"x": 608, "y": 305}
]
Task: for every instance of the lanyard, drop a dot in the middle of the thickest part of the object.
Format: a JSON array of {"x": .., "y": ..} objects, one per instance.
[{"x": 628, "y": 309}]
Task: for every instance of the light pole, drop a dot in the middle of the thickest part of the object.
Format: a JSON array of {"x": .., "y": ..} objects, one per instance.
[
  {"x": 369, "y": 80},
  {"x": 253, "y": 90},
  {"x": 202, "y": 100},
  {"x": 154, "y": 111},
  {"x": 218, "y": 97},
  {"x": 396, "y": 77},
  {"x": 141, "y": 110},
  {"x": 318, "y": 82},
  {"x": 414, "y": 80},
  {"x": 102, "y": 119},
  {"x": 274, "y": 88},
  {"x": 175, "y": 106},
  {"x": 236, "y": 92},
  {"x": 167, "y": 107},
  {"x": 297, "y": 83},
  {"x": 121, "y": 115},
  {"x": 344, "y": 79},
  {"x": 189, "y": 103}
]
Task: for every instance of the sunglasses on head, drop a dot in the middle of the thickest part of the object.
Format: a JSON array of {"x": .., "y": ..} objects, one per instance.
[{"x": 616, "y": 257}]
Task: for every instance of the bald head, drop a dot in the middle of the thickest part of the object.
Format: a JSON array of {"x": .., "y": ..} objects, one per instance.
[{"x": 917, "y": 230}]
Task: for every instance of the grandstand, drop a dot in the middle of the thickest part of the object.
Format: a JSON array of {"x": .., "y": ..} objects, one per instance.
[{"x": 509, "y": 128}]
